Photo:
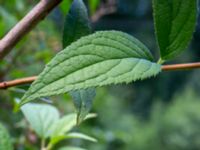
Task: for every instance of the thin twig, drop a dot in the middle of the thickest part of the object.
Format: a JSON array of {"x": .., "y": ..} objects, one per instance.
[
  {"x": 7, "y": 84},
  {"x": 37, "y": 14},
  {"x": 174, "y": 67}
]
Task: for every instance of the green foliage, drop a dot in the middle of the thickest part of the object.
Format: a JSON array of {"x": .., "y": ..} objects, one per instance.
[
  {"x": 5, "y": 141},
  {"x": 93, "y": 4},
  {"x": 64, "y": 125},
  {"x": 7, "y": 21},
  {"x": 83, "y": 102},
  {"x": 77, "y": 25},
  {"x": 181, "y": 121},
  {"x": 44, "y": 119},
  {"x": 172, "y": 126},
  {"x": 71, "y": 148},
  {"x": 65, "y": 6},
  {"x": 103, "y": 58},
  {"x": 41, "y": 118},
  {"x": 80, "y": 136},
  {"x": 175, "y": 22}
]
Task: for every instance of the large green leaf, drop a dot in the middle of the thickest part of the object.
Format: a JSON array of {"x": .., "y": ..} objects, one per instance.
[
  {"x": 42, "y": 117},
  {"x": 5, "y": 141},
  {"x": 83, "y": 102},
  {"x": 103, "y": 58},
  {"x": 77, "y": 25},
  {"x": 175, "y": 22}
]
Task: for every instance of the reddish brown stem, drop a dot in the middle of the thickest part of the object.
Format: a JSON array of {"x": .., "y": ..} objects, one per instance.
[
  {"x": 7, "y": 84},
  {"x": 175, "y": 67},
  {"x": 25, "y": 25}
]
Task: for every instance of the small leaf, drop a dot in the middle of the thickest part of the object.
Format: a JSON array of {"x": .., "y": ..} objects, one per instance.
[
  {"x": 64, "y": 125},
  {"x": 103, "y": 58},
  {"x": 71, "y": 148},
  {"x": 5, "y": 141},
  {"x": 80, "y": 136},
  {"x": 57, "y": 139},
  {"x": 77, "y": 25},
  {"x": 83, "y": 102},
  {"x": 41, "y": 117},
  {"x": 175, "y": 22}
]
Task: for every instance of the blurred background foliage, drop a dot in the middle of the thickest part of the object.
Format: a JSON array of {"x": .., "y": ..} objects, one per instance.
[{"x": 159, "y": 113}]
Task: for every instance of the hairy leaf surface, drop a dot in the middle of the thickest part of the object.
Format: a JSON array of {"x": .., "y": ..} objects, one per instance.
[
  {"x": 103, "y": 58},
  {"x": 175, "y": 22}
]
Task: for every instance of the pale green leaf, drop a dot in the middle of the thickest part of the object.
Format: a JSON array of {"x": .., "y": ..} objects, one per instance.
[
  {"x": 64, "y": 125},
  {"x": 103, "y": 58},
  {"x": 175, "y": 22},
  {"x": 41, "y": 117},
  {"x": 71, "y": 148},
  {"x": 57, "y": 139},
  {"x": 83, "y": 102},
  {"x": 5, "y": 140},
  {"x": 80, "y": 136}
]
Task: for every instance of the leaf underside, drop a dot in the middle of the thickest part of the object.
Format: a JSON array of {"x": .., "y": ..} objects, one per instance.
[
  {"x": 41, "y": 118},
  {"x": 175, "y": 22},
  {"x": 83, "y": 102},
  {"x": 103, "y": 58}
]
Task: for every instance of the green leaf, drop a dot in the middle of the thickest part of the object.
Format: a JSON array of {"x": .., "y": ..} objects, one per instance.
[
  {"x": 93, "y": 4},
  {"x": 71, "y": 148},
  {"x": 103, "y": 58},
  {"x": 41, "y": 117},
  {"x": 76, "y": 23},
  {"x": 65, "y": 6},
  {"x": 5, "y": 141},
  {"x": 59, "y": 138},
  {"x": 64, "y": 125},
  {"x": 83, "y": 102},
  {"x": 80, "y": 136},
  {"x": 175, "y": 22}
]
